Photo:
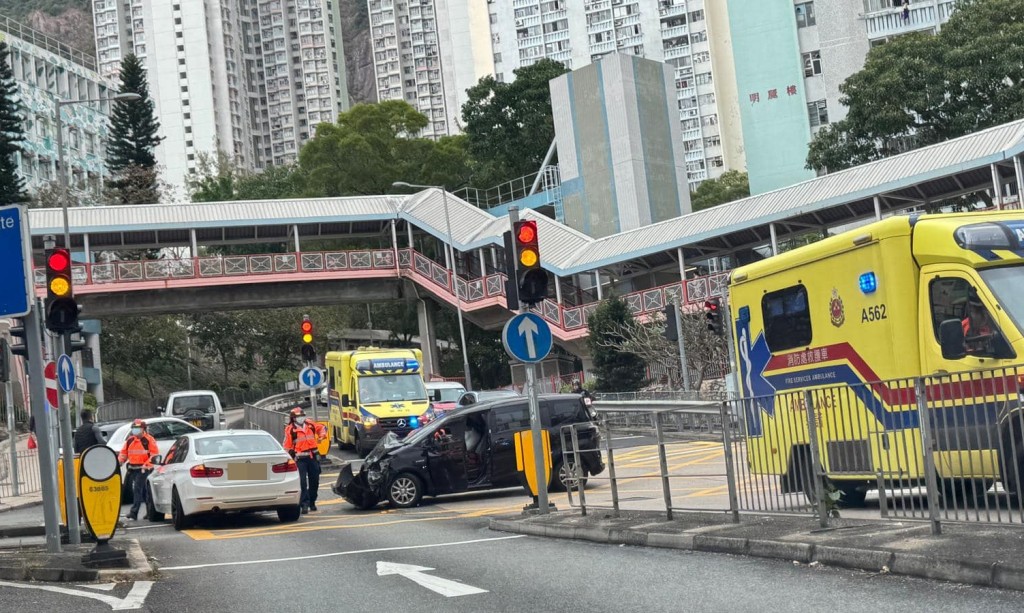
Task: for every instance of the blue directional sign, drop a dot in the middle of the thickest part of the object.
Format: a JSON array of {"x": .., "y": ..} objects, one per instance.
[
  {"x": 311, "y": 377},
  {"x": 15, "y": 272},
  {"x": 66, "y": 373},
  {"x": 527, "y": 338}
]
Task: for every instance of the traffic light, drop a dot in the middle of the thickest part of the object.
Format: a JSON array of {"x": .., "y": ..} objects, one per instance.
[
  {"x": 5, "y": 362},
  {"x": 511, "y": 283},
  {"x": 532, "y": 279},
  {"x": 60, "y": 306},
  {"x": 17, "y": 331},
  {"x": 712, "y": 312},
  {"x": 308, "y": 352},
  {"x": 671, "y": 332}
]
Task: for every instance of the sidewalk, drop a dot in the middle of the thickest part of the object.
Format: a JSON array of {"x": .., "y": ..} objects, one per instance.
[{"x": 978, "y": 554}]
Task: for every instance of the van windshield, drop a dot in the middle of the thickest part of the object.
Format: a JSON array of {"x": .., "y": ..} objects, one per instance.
[
  {"x": 448, "y": 394},
  {"x": 1009, "y": 291},
  {"x": 201, "y": 402},
  {"x": 391, "y": 388}
]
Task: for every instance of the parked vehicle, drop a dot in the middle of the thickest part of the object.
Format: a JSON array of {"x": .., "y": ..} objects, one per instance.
[
  {"x": 444, "y": 396},
  {"x": 468, "y": 450},
  {"x": 374, "y": 391},
  {"x": 165, "y": 430},
  {"x": 223, "y": 472},
  {"x": 201, "y": 408},
  {"x": 476, "y": 397}
]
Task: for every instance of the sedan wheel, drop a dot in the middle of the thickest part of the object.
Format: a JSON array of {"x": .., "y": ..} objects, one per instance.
[
  {"x": 289, "y": 514},
  {"x": 178, "y": 517},
  {"x": 151, "y": 513},
  {"x": 405, "y": 491}
]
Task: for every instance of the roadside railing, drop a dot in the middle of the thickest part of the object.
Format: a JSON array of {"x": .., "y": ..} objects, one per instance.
[
  {"x": 21, "y": 477},
  {"x": 268, "y": 420}
]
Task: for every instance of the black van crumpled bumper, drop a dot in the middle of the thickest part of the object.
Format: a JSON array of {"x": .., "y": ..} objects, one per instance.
[{"x": 354, "y": 488}]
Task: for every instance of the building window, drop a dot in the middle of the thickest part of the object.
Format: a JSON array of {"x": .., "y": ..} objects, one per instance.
[
  {"x": 805, "y": 15},
  {"x": 703, "y": 78},
  {"x": 817, "y": 111},
  {"x": 812, "y": 63}
]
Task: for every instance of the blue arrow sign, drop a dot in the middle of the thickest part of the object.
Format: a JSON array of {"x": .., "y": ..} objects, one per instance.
[
  {"x": 527, "y": 338},
  {"x": 311, "y": 377},
  {"x": 15, "y": 273},
  {"x": 66, "y": 373}
]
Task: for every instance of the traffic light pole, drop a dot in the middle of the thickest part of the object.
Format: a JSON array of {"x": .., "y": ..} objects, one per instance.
[
  {"x": 67, "y": 443},
  {"x": 312, "y": 398},
  {"x": 683, "y": 365},
  {"x": 37, "y": 397}
]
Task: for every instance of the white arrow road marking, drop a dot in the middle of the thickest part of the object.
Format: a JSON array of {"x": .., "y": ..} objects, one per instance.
[
  {"x": 444, "y": 587},
  {"x": 134, "y": 600},
  {"x": 528, "y": 329}
]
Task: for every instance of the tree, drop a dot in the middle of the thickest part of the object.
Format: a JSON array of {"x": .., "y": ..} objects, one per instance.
[
  {"x": 617, "y": 369},
  {"x": 133, "y": 138},
  {"x": 732, "y": 185},
  {"x": 12, "y": 186},
  {"x": 147, "y": 348},
  {"x": 219, "y": 179},
  {"x": 509, "y": 126},
  {"x": 920, "y": 89},
  {"x": 374, "y": 145}
]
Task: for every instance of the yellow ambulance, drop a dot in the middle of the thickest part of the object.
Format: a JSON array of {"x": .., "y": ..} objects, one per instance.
[
  {"x": 854, "y": 319},
  {"x": 373, "y": 391}
]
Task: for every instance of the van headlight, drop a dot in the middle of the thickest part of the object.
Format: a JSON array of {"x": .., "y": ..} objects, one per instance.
[{"x": 369, "y": 421}]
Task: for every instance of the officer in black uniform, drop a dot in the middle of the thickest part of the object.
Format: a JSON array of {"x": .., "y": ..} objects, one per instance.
[{"x": 88, "y": 433}]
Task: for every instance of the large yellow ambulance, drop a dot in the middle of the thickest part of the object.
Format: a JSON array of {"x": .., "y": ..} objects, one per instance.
[
  {"x": 854, "y": 318},
  {"x": 373, "y": 391}
]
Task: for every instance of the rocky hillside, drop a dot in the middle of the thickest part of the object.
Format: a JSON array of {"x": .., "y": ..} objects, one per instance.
[{"x": 355, "y": 30}]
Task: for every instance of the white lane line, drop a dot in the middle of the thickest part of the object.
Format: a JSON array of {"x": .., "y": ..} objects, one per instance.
[
  {"x": 134, "y": 600},
  {"x": 625, "y": 438},
  {"x": 341, "y": 553},
  {"x": 148, "y": 527}
]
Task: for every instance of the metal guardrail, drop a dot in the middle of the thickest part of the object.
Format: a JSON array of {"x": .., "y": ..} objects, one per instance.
[{"x": 20, "y": 479}]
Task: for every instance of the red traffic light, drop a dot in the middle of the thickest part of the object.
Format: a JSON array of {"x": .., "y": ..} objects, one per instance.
[
  {"x": 59, "y": 260},
  {"x": 307, "y": 327},
  {"x": 711, "y": 306},
  {"x": 526, "y": 232}
]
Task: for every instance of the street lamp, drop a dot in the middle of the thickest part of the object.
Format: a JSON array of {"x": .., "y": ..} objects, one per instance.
[
  {"x": 455, "y": 285},
  {"x": 62, "y": 171}
]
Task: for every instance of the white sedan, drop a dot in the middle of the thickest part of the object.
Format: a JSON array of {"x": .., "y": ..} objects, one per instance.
[
  {"x": 165, "y": 430},
  {"x": 224, "y": 471}
]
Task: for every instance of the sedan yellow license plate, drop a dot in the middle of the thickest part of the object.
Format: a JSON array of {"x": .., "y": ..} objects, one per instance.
[{"x": 247, "y": 472}]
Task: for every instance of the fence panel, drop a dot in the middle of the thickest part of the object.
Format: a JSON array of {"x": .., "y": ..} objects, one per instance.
[
  {"x": 27, "y": 475},
  {"x": 267, "y": 420}
]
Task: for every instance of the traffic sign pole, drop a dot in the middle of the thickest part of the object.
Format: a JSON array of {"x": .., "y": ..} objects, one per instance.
[
  {"x": 67, "y": 443},
  {"x": 539, "y": 460},
  {"x": 37, "y": 397},
  {"x": 312, "y": 399}
]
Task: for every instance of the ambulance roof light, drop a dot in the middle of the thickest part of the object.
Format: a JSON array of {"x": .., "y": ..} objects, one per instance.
[{"x": 868, "y": 282}]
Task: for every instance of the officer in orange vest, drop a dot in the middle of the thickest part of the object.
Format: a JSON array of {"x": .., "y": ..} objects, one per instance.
[
  {"x": 137, "y": 456},
  {"x": 301, "y": 439}
]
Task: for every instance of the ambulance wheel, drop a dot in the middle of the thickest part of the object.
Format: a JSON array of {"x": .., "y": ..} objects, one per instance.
[
  {"x": 342, "y": 445},
  {"x": 851, "y": 496},
  {"x": 405, "y": 491},
  {"x": 361, "y": 450},
  {"x": 963, "y": 491}
]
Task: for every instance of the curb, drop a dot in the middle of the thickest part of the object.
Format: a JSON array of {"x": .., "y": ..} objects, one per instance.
[
  {"x": 140, "y": 566},
  {"x": 997, "y": 575},
  {"x": 4, "y": 508}
]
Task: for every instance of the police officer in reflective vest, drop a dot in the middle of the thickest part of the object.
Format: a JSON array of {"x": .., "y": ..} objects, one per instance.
[
  {"x": 301, "y": 439},
  {"x": 137, "y": 456}
]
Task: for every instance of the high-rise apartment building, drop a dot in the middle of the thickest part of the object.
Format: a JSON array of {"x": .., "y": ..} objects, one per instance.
[
  {"x": 790, "y": 60},
  {"x": 692, "y": 38},
  {"x": 249, "y": 78},
  {"x": 46, "y": 70}
]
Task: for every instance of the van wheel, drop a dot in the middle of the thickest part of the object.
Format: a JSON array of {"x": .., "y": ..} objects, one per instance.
[
  {"x": 405, "y": 491},
  {"x": 564, "y": 477}
]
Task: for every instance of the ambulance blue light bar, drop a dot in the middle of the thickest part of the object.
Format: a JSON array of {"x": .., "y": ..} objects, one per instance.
[{"x": 868, "y": 282}]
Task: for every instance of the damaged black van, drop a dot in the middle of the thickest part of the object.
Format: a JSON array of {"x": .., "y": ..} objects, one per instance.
[{"x": 470, "y": 449}]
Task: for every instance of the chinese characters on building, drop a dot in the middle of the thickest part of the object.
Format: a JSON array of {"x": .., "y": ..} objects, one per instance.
[{"x": 772, "y": 94}]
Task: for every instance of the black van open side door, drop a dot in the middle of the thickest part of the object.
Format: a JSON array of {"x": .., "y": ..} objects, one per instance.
[
  {"x": 506, "y": 420},
  {"x": 446, "y": 459}
]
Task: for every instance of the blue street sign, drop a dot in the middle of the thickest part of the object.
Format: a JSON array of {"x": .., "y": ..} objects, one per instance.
[
  {"x": 66, "y": 373},
  {"x": 527, "y": 338},
  {"x": 15, "y": 272},
  {"x": 311, "y": 377}
]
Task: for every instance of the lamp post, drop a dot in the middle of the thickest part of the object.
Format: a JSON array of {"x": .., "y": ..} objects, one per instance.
[
  {"x": 62, "y": 176},
  {"x": 455, "y": 286}
]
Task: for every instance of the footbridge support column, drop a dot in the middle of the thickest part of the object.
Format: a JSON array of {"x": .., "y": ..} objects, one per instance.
[{"x": 425, "y": 312}]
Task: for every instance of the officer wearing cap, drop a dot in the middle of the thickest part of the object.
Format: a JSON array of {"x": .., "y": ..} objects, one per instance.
[
  {"x": 301, "y": 440},
  {"x": 137, "y": 456}
]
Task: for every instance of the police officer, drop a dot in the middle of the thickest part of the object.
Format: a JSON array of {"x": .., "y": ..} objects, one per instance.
[
  {"x": 88, "y": 433},
  {"x": 137, "y": 456},
  {"x": 301, "y": 440}
]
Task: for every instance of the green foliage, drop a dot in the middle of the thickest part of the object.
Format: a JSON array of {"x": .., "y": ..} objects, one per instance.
[
  {"x": 20, "y": 9},
  {"x": 488, "y": 362},
  {"x": 920, "y": 89},
  {"x": 374, "y": 145},
  {"x": 148, "y": 348},
  {"x": 133, "y": 138},
  {"x": 509, "y": 126},
  {"x": 616, "y": 370},
  {"x": 732, "y": 185},
  {"x": 12, "y": 186}
]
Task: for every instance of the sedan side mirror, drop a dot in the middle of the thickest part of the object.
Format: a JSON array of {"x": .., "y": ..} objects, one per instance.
[{"x": 951, "y": 339}]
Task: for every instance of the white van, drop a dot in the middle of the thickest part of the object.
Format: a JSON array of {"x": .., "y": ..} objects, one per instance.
[{"x": 201, "y": 408}]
